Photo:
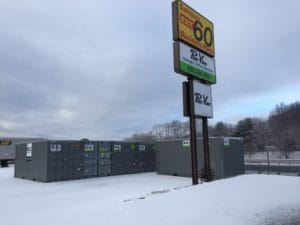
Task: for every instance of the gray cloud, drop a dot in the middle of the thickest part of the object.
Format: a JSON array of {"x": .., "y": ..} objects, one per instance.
[{"x": 104, "y": 69}]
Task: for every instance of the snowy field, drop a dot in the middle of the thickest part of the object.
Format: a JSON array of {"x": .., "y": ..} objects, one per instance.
[{"x": 150, "y": 199}]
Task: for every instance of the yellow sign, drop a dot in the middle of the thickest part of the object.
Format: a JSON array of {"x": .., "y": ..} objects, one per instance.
[
  {"x": 5, "y": 142},
  {"x": 193, "y": 28}
]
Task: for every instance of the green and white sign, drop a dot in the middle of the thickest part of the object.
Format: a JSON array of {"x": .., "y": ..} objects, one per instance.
[
  {"x": 88, "y": 147},
  {"x": 191, "y": 62},
  {"x": 226, "y": 143},
  {"x": 186, "y": 143}
]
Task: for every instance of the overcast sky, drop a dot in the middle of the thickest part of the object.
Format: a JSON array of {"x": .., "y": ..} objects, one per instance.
[{"x": 104, "y": 69}]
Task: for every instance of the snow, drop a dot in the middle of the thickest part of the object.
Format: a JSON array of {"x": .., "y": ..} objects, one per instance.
[{"x": 149, "y": 199}]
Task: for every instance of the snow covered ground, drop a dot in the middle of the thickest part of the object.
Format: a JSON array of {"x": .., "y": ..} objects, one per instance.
[{"x": 150, "y": 199}]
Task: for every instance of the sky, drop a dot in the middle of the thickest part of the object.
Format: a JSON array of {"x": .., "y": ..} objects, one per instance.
[{"x": 104, "y": 69}]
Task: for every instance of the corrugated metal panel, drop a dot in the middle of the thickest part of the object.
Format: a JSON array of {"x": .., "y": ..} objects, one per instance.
[
  {"x": 20, "y": 161},
  {"x": 174, "y": 157},
  {"x": 123, "y": 158},
  {"x": 104, "y": 158},
  {"x": 64, "y": 160},
  {"x": 234, "y": 158},
  {"x": 57, "y": 160},
  {"x": 33, "y": 167},
  {"x": 90, "y": 158}
]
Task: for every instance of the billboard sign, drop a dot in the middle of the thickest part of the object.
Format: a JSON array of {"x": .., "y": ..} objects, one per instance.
[
  {"x": 193, "y": 28},
  {"x": 202, "y": 99},
  {"x": 191, "y": 62}
]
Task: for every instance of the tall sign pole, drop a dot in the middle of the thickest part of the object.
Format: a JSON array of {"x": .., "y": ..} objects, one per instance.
[
  {"x": 194, "y": 53},
  {"x": 206, "y": 149},
  {"x": 193, "y": 132}
]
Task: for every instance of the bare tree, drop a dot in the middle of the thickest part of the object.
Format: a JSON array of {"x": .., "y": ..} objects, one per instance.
[
  {"x": 244, "y": 129},
  {"x": 159, "y": 131},
  {"x": 261, "y": 134},
  {"x": 222, "y": 129},
  {"x": 281, "y": 130},
  {"x": 144, "y": 137},
  {"x": 284, "y": 122}
]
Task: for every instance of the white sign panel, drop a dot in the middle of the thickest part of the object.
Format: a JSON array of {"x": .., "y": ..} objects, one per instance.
[
  {"x": 29, "y": 151},
  {"x": 88, "y": 147},
  {"x": 117, "y": 147},
  {"x": 186, "y": 143},
  {"x": 202, "y": 99},
  {"x": 195, "y": 63},
  {"x": 55, "y": 148},
  {"x": 142, "y": 147}
]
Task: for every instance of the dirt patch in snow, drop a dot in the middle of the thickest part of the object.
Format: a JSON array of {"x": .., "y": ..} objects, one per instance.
[{"x": 159, "y": 192}]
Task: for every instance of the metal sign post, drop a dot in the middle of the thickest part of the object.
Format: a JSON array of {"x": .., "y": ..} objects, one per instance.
[
  {"x": 193, "y": 136},
  {"x": 206, "y": 149},
  {"x": 203, "y": 109}
]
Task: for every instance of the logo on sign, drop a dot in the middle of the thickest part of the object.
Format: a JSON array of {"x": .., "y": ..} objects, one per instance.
[
  {"x": 142, "y": 147},
  {"x": 88, "y": 147},
  {"x": 55, "y": 148},
  {"x": 202, "y": 99},
  {"x": 197, "y": 57},
  {"x": 117, "y": 147}
]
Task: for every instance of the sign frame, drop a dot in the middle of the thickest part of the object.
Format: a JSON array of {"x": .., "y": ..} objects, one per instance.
[
  {"x": 203, "y": 106},
  {"x": 29, "y": 148},
  {"x": 199, "y": 65},
  {"x": 184, "y": 23}
]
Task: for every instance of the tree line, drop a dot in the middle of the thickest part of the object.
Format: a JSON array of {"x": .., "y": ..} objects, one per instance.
[{"x": 280, "y": 131}]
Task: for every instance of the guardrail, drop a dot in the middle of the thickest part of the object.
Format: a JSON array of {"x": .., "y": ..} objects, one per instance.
[
  {"x": 273, "y": 165},
  {"x": 279, "y": 162}
]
